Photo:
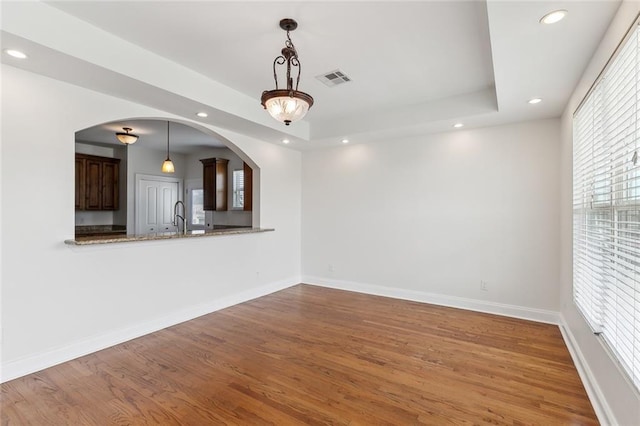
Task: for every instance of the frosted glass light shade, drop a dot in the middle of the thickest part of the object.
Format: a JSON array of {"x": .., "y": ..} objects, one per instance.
[
  {"x": 286, "y": 106},
  {"x": 167, "y": 166},
  {"x": 126, "y": 138}
]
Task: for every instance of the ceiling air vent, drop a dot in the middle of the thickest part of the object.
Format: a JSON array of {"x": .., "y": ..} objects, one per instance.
[{"x": 333, "y": 78}]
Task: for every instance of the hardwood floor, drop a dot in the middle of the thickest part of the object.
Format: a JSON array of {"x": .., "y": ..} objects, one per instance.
[{"x": 311, "y": 355}]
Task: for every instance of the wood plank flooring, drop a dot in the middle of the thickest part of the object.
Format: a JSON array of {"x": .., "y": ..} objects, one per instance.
[{"x": 316, "y": 356}]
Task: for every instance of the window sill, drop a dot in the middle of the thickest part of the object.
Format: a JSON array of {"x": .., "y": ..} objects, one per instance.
[{"x": 110, "y": 239}]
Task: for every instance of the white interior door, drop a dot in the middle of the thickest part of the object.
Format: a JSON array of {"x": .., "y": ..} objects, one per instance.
[{"x": 155, "y": 200}]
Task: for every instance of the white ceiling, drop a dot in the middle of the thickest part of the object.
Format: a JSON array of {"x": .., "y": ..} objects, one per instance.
[
  {"x": 388, "y": 50},
  {"x": 416, "y": 67},
  {"x": 152, "y": 134}
]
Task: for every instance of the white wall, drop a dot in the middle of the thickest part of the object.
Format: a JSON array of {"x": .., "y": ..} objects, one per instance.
[
  {"x": 438, "y": 214},
  {"x": 194, "y": 169},
  {"x": 59, "y": 300},
  {"x": 615, "y": 396},
  {"x": 149, "y": 161},
  {"x": 89, "y": 149},
  {"x": 87, "y": 218}
]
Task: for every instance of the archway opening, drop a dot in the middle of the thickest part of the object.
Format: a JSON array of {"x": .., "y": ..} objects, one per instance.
[{"x": 121, "y": 189}]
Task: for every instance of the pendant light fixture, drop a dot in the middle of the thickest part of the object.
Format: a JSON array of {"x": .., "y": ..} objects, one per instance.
[
  {"x": 287, "y": 105},
  {"x": 127, "y": 138},
  {"x": 167, "y": 166}
]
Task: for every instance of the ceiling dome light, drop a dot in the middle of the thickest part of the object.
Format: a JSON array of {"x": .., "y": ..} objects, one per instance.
[
  {"x": 285, "y": 141},
  {"x": 458, "y": 125},
  {"x": 535, "y": 101},
  {"x": 202, "y": 114},
  {"x": 345, "y": 140},
  {"x": 15, "y": 53},
  {"x": 553, "y": 17},
  {"x": 127, "y": 138},
  {"x": 287, "y": 105}
]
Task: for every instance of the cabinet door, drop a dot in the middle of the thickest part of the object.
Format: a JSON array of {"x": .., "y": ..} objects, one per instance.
[
  {"x": 80, "y": 183},
  {"x": 209, "y": 183},
  {"x": 222, "y": 188},
  {"x": 93, "y": 184},
  {"x": 248, "y": 188},
  {"x": 110, "y": 187},
  {"x": 214, "y": 183}
]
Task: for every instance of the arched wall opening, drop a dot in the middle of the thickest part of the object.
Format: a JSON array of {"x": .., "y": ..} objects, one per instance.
[{"x": 121, "y": 188}]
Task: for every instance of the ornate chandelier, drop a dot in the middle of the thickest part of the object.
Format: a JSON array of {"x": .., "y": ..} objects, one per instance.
[{"x": 287, "y": 105}]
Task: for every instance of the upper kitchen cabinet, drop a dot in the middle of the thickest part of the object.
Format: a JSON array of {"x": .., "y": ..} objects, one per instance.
[
  {"x": 248, "y": 188},
  {"x": 97, "y": 182},
  {"x": 215, "y": 183},
  {"x": 80, "y": 182}
]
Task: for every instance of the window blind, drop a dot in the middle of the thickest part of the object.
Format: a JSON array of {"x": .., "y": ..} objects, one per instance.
[
  {"x": 238, "y": 188},
  {"x": 606, "y": 206}
]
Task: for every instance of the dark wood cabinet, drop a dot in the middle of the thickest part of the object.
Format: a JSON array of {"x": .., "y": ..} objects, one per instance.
[
  {"x": 97, "y": 182},
  {"x": 215, "y": 183},
  {"x": 93, "y": 184},
  {"x": 80, "y": 182},
  {"x": 110, "y": 186},
  {"x": 248, "y": 188}
]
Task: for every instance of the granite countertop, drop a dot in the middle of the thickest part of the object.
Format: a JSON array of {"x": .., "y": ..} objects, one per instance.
[{"x": 123, "y": 238}]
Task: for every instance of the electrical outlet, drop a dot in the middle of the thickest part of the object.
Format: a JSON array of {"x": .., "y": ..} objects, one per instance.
[
  {"x": 331, "y": 268},
  {"x": 484, "y": 286}
]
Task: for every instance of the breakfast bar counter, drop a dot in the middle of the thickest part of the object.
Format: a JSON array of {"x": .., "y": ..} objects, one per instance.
[{"x": 108, "y": 239}]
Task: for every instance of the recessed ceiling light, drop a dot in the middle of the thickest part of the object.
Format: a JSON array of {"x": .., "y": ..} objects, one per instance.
[
  {"x": 535, "y": 100},
  {"x": 285, "y": 141},
  {"x": 202, "y": 114},
  {"x": 458, "y": 125},
  {"x": 553, "y": 17},
  {"x": 345, "y": 140},
  {"x": 15, "y": 53}
]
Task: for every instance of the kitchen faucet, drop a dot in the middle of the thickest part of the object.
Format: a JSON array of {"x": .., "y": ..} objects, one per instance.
[{"x": 176, "y": 216}]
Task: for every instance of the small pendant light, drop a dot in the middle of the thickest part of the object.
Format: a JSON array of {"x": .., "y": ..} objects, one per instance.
[{"x": 167, "y": 166}]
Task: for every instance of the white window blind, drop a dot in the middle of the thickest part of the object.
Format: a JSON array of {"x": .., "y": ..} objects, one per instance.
[
  {"x": 606, "y": 206},
  {"x": 238, "y": 188}
]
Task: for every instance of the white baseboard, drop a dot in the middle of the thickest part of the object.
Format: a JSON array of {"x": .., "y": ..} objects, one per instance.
[
  {"x": 21, "y": 367},
  {"x": 522, "y": 312},
  {"x": 596, "y": 396}
]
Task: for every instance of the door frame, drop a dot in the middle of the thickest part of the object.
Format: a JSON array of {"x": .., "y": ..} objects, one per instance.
[{"x": 166, "y": 179}]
